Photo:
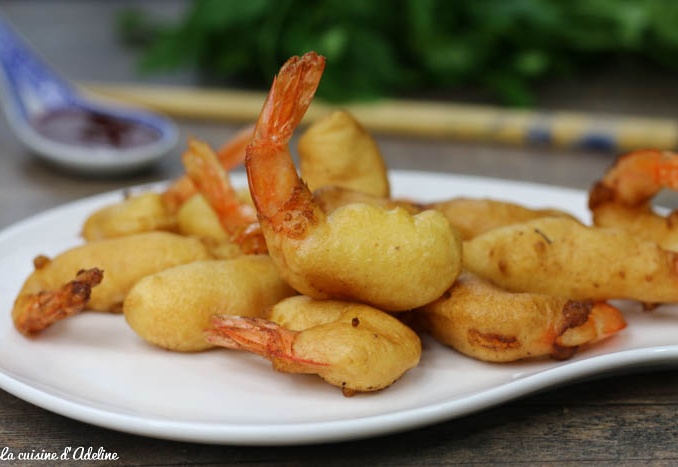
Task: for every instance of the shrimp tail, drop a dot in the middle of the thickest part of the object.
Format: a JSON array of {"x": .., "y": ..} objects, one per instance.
[
  {"x": 600, "y": 320},
  {"x": 33, "y": 313},
  {"x": 623, "y": 197},
  {"x": 636, "y": 177},
  {"x": 213, "y": 182},
  {"x": 230, "y": 155},
  {"x": 273, "y": 179},
  {"x": 258, "y": 336},
  {"x": 290, "y": 96},
  {"x": 237, "y": 218}
]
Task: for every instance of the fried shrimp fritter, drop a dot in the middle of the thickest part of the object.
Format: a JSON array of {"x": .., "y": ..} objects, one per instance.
[
  {"x": 353, "y": 346},
  {"x": 337, "y": 151},
  {"x": 124, "y": 260},
  {"x": 172, "y": 308},
  {"x": 559, "y": 256},
  {"x": 387, "y": 258},
  {"x": 623, "y": 197},
  {"x": 472, "y": 216},
  {"x": 482, "y": 321},
  {"x": 144, "y": 212}
]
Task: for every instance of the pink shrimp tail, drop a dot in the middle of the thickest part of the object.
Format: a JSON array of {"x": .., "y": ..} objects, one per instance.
[
  {"x": 603, "y": 320},
  {"x": 255, "y": 335},
  {"x": 213, "y": 181},
  {"x": 230, "y": 155},
  {"x": 608, "y": 320},
  {"x": 290, "y": 96},
  {"x": 639, "y": 175},
  {"x": 666, "y": 172},
  {"x": 271, "y": 173}
]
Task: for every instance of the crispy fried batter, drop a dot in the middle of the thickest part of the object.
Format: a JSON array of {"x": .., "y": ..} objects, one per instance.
[{"x": 482, "y": 321}]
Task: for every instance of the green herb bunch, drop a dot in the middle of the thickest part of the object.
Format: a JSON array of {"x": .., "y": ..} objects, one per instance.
[{"x": 377, "y": 48}]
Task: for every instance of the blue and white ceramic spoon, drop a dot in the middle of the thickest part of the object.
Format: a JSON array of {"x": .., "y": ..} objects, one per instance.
[{"x": 57, "y": 123}]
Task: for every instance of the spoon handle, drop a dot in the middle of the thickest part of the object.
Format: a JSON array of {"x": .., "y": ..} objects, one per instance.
[{"x": 31, "y": 86}]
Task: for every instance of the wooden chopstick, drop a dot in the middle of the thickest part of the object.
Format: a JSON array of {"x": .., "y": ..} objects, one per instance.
[{"x": 415, "y": 118}]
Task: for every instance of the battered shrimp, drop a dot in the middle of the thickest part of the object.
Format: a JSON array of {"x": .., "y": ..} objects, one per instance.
[
  {"x": 562, "y": 257},
  {"x": 361, "y": 350},
  {"x": 172, "y": 308},
  {"x": 144, "y": 212},
  {"x": 383, "y": 257},
  {"x": 337, "y": 151},
  {"x": 124, "y": 261},
  {"x": 471, "y": 216},
  {"x": 231, "y": 154},
  {"x": 623, "y": 198},
  {"x": 33, "y": 313},
  {"x": 237, "y": 217},
  {"x": 491, "y": 324}
]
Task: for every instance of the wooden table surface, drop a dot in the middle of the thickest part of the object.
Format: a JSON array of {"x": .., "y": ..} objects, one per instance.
[{"x": 616, "y": 419}]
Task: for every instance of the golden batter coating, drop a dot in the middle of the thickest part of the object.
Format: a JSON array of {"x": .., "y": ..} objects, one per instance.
[
  {"x": 337, "y": 151},
  {"x": 559, "y": 256},
  {"x": 172, "y": 308},
  {"x": 485, "y": 322},
  {"x": 356, "y": 347}
]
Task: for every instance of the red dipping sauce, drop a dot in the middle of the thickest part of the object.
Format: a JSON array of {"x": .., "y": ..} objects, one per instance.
[{"x": 88, "y": 128}]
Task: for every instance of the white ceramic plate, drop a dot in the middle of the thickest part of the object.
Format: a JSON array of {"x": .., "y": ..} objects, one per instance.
[{"x": 93, "y": 368}]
